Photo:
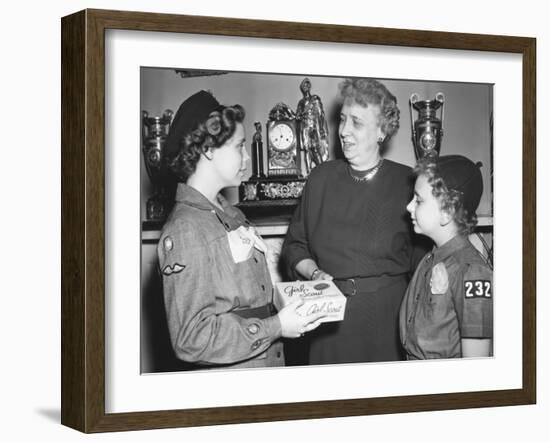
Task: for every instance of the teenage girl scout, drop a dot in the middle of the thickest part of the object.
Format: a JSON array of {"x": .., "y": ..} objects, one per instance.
[
  {"x": 217, "y": 287},
  {"x": 447, "y": 311}
]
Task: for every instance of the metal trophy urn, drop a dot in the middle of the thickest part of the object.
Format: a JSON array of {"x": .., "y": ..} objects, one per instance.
[
  {"x": 427, "y": 129},
  {"x": 154, "y": 133}
]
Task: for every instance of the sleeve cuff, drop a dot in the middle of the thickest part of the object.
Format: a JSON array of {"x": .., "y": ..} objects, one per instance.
[
  {"x": 273, "y": 327},
  {"x": 476, "y": 332}
]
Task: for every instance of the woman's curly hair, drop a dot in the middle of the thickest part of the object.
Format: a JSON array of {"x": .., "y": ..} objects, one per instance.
[
  {"x": 213, "y": 132},
  {"x": 367, "y": 91},
  {"x": 450, "y": 200}
]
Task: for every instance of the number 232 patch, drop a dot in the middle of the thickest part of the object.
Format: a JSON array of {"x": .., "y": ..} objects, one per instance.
[{"x": 478, "y": 288}]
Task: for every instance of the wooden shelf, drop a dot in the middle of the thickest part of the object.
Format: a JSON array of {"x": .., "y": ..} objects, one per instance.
[{"x": 275, "y": 225}]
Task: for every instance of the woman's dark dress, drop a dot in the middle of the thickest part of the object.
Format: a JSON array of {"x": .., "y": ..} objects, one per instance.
[{"x": 357, "y": 229}]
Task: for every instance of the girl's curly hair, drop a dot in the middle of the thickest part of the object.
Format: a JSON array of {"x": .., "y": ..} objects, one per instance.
[
  {"x": 367, "y": 91},
  {"x": 450, "y": 200},
  {"x": 213, "y": 132}
]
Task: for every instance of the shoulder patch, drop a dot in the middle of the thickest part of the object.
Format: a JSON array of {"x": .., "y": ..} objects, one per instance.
[
  {"x": 478, "y": 288},
  {"x": 170, "y": 270}
]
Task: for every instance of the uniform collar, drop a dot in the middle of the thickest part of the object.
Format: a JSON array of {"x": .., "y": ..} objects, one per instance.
[
  {"x": 230, "y": 217},
  {"x": 192, "y": 197},
  {"x": 456, "y": 243}
]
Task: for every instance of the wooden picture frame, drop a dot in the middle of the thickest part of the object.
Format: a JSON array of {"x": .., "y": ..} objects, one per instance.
[{"x": 83, "y": 220}]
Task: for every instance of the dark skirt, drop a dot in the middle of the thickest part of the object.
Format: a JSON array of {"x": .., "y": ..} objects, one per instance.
[{"x": 368, "y": 333}]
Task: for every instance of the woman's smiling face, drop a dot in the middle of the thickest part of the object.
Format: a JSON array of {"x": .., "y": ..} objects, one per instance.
[{"x": 359, "y": 132}]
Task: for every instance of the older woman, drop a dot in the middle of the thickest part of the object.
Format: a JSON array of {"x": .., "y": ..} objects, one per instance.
[
  {"x": 351, "y": 226},
  {"x": 217, "y": 287}
]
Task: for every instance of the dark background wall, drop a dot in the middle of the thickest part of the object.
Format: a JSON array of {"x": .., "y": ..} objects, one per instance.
[{"x": 468, "y": 109}]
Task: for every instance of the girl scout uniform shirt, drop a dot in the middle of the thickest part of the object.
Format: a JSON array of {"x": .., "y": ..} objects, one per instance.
[
  {"x": 217, "y": 286},
  {"x": 449, "y": 298}
]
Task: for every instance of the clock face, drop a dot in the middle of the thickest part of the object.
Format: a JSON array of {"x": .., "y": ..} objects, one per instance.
[
  {"x": 283, "y": 155},
  {"x": 281, "y": 137}
]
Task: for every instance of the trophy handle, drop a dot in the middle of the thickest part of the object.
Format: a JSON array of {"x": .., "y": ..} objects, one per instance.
[
  {"x": 168, "y": 114},
  {"x": 144, "y": 115},
  {"x": 412, "y": 100},
  {"x": 441, "y": 98}
]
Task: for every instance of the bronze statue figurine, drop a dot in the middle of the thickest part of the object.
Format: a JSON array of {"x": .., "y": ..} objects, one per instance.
[{"x": 313, "y": 127}]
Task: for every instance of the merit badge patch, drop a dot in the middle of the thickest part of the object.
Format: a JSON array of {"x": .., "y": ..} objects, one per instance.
[
  {"x": 168, "y": 244},
  {"x": 478, "y": 288},
  {"x": 170, "y": 270}
]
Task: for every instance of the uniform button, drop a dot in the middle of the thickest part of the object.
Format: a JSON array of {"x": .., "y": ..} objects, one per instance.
[
  {"x": 255, "y": 259},
  {"x": 253, "y": 329},
  {"x": 263, "y": 287},
  {"x": 278, "y": 354},
  {"x": 417, "y": 296},
  {"x": 410, "y": 319}
]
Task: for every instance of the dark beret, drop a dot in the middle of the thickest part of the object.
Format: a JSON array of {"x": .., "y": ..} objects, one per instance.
[
  {"x": 191, "y": 112},
  {"x": 463, "y": 175}
]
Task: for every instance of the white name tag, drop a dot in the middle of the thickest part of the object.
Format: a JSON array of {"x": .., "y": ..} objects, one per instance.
[{"x": 241, "y": 243}]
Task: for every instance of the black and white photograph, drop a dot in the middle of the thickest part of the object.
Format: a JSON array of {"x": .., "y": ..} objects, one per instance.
[
  {"x": 305, "y": 220},
  {"x": 245, "y": 221}
]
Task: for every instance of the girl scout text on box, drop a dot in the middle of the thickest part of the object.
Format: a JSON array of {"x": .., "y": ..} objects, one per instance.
[{"x": 318, "y": 296}]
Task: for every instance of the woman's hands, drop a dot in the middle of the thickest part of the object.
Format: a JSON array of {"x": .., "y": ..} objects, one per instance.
[
  {"x": 318, "y": 275},
  {"x": 294, "y": 325},
  {"x": 309, "y": 270}
]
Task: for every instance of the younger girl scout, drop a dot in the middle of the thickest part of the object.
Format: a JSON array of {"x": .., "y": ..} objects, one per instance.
[{"x": 447, "y": 311}]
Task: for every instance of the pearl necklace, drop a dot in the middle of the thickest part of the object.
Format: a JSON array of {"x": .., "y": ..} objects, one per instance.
[{"x": 366, "y": 175}]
